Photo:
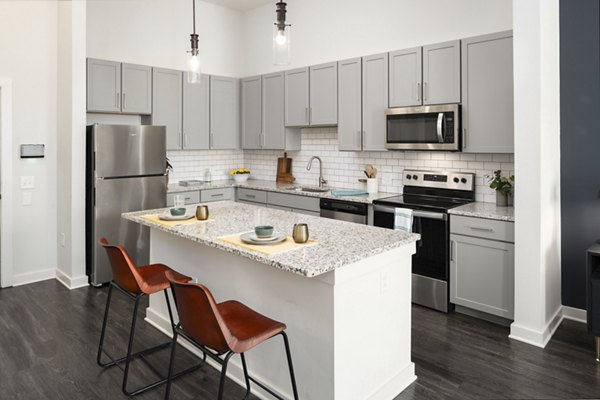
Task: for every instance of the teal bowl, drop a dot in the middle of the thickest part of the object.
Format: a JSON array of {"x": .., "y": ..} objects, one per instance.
[
  {"x": 177, "y": 211},
  {"x": 263, "y": 231}
]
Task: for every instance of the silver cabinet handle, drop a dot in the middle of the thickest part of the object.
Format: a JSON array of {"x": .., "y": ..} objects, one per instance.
[
  {"x": 306, "y": 114},
  {"x": 364, "y": 139},
  {"x": 251, "y": 196},
  {"x": 118, "y": 99},
  {"x": 464, "y": 143},
  {"x": 185, "y": 140},
  {"x": 187, "y": 198},
  {"x": 452, "y": 250},
  {"x": 309, "y": 114},
  {"x": 481, "y": 228},
  {"x": 217, "y": 195},
  {"x": 440, "y": 124},
  {"x": 124, "y": 104},
  {"x": 425, "y": 91},
  {"x": 263, "y": 141},
  {"x": 359, "y": 136},
  {"x": 211, "y": 140},
  {"x": 419, "y": 91}
]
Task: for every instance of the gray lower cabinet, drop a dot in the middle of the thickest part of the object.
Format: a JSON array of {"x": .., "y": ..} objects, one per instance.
[
  {"x": 251, "y": 196},
  {"x": 208, "y": 195},
  {"x": 195, "y": 117},
  {"x": 487, "y": 93},
  {"x": 224, "y": 126},
  {"x": 113, "y": 87},
  {"x": 297, "y": 203},
  {"x": 323, "y": 93},
  {"x": 190, "y": 197},
  {"x": 441, "y": 73},
  {"x": 166, "y": 104},
  {"x": 350, "y": 105},
  {"x": 406, "y": 77},
  {"x": 374, "y": 101},
  {"x": 251, "y": 112},
  {"x": 482, "y": 265},
  {"x": 297, "y": 97}
]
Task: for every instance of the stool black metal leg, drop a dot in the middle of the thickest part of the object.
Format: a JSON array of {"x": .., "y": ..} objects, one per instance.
[
  {"x": 289, "y": 359},
  {"x": 169, "y": 308},
  {"x": 171, "y": 364},
  {"x": 130, "y": 345},
  {"x": 223, "y": 374},
  {"x": 246, "y": 378},
  {"x": 104, "y": 321}
]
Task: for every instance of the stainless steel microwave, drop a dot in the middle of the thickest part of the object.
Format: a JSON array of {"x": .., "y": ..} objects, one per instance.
[{"x": 423, "y": 128}]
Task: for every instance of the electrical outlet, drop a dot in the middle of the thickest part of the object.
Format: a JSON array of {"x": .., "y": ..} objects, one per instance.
[
  {"x": 62, "y": 239},
  {"x": 27, "y": 182},
  {"x": 27, "y": 198}
]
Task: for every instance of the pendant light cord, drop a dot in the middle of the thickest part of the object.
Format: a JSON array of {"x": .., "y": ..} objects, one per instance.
[{"x": 194, "y": 15}]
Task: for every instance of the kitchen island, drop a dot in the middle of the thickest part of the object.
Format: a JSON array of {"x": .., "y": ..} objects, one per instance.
[{"x": 346, "y": 299}]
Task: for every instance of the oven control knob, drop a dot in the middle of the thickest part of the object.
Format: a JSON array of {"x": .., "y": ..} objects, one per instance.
[
  {"x": 463, "y": 180},
  {"x": 455, "y": 180},
  {"x": 415, "y": 177},
  {"x": 408, "y": 177}
]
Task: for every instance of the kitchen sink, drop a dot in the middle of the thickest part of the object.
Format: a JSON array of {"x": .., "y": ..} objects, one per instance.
[{"x": 312, "y": 189}]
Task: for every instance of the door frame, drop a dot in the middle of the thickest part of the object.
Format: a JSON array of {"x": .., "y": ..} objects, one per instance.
[{"x": 6, "y": 180}]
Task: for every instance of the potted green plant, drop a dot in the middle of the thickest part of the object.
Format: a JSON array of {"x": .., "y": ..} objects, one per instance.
[{"x": 502, "y": 185}]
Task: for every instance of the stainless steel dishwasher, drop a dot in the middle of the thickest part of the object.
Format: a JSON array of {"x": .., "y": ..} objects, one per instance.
[{"x": 344, "y": 210}]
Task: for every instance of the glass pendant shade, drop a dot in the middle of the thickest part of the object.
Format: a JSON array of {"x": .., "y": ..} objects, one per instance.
[
  {"x": 281, "y": 45},
  {"x": 194, "y": 74}
]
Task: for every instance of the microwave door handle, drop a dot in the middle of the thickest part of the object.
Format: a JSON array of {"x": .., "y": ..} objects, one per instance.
[{"x": 441, "y": 122}]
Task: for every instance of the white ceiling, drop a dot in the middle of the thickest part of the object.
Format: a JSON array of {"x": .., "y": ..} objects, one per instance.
[{"x": 242, "y": 5}]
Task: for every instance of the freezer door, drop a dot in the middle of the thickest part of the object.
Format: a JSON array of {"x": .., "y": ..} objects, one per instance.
[
  {"x": 116, "y": 196},
  {"x": 129, "y": 150}
]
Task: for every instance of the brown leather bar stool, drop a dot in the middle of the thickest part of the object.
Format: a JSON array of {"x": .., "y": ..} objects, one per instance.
[
  {"x": 226, "y": 328},
  {"x": 136, "y": 283}
]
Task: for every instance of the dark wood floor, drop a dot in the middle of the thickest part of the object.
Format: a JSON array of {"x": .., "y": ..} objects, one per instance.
[{"x": 48, "y": 339}]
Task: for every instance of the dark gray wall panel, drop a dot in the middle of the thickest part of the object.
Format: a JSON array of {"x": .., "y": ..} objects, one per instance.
[{"x": 580, "y": 141}]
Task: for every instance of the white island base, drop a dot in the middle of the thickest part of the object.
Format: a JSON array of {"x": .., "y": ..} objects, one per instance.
[{"x": 349, "y": 329}]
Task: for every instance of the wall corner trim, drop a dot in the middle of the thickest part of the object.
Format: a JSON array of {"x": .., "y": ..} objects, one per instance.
[
  {"x": 574, "y": 314},
  {"x": 537, "y": 338},
  {"x": 70, "y": 282}
]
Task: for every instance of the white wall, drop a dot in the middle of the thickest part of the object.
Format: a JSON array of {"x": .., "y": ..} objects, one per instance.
[
  {"x": 28, "y": 36},
  {"x": 333, "y": 30},
  {"x": 157, "y": 33}
]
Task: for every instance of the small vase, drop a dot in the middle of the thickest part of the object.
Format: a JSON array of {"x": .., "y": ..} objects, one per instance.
[
  {"x": 501, "y": 199},
  {"x": 240, "y": 178}
]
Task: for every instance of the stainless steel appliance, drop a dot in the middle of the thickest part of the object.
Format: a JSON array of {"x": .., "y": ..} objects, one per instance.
[
  {"x": 423, "y": 128},
  {"x": 125, "y": 171},
  {"x": 344, "y": 210},
  {"x": 430, "y": 195}
]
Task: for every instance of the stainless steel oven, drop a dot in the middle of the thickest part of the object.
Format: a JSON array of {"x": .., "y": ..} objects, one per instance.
[{"x": 423, "y": 128}]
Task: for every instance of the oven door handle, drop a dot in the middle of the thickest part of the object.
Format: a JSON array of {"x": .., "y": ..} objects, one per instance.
[
  {"x": 416, "y": 213},
  {"x": 441, "y": 126}
]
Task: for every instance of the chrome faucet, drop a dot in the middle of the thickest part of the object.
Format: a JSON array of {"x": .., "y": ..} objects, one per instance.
[{"x": 322, "y": 182}]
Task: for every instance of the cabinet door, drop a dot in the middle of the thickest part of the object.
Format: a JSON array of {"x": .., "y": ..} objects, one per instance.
[
  {"x": 296, "y": 97},
  {"x": 375, "y": 101},
  {"x": 251, "y": 99},
  {"x": 350, "y": 105},
  {"x": 103, "y": 86},
  {"x": 196, "y": 122},
  {"x": 323, "y": 104},
  {"x": 224, "y": 127},
  {"x": 441, "y": 73},
  {"x": 136, "y": 86},
  {"x": 272, "y": 111},
  {"x": 487, "y": 86},
  {"x": 405, "y": 77},
  {"x": 482, "y": 275},
  {"x": 166, "y": 104}
]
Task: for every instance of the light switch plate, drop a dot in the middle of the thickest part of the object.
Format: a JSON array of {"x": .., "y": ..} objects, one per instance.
[
  {"x": 27, "y": 198},
  {"x": 27, "y": 182}
]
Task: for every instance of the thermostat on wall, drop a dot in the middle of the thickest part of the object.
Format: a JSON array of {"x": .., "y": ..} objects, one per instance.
[{"x": 32, "y": 151}]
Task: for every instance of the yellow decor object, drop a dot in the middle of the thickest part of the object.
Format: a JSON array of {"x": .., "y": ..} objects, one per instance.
[
  {"x": 270, "y": 250},
  {"x": 239, "y": 171}
]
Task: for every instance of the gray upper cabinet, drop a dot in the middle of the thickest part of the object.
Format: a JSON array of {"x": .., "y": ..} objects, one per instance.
[
  {"x": 166, "y": 104},
  {"x": 103, "y": 86},
  {"x": 136, "y": 85},
  {"x": 323, "y": 105},
  {"x": 297, "y": 97},
  {"x": 487, "y": 90},
  {"x": 224, "y": 126},
  {"x": 405, "y": 77},
  {"x": 441, "y": 73},
  {"x": 273, "y": 99},
  {"x": 350, "y": 105},
  {"x": 195, "y": 118},
  {"x": 251, "y": 112},
  {"x": 374, "y": 101}
]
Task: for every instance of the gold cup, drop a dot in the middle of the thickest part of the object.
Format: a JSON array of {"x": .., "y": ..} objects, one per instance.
[
  {"x": 202, "y": 213},
  {"x": 300, "y": 233}
]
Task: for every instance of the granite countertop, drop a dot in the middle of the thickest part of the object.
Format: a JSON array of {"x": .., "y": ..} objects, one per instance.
[
  {"x": 339, "y": 243},
  {"x": 278, "y": 187},
  {"x": 485, "y": 210}
]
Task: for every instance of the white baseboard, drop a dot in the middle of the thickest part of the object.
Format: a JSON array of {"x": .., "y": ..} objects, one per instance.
[
  {"x": 32, "y": 277},
  {"x": 574, "y": 314},
  {"x": 71, "y": 283},
  {"x": 533, "y": 337}
]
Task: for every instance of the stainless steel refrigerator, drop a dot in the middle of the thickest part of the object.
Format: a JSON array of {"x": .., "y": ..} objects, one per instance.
[{"x": 125, "y": 172}]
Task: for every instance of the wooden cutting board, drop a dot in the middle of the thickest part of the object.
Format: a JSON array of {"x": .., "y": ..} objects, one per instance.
[{"x": 284, "y": 169}]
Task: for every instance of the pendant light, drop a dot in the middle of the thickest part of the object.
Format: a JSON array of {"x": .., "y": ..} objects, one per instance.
[
  {"x": 281, "y": 36},
  {"x": 193, "y": 73}
]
